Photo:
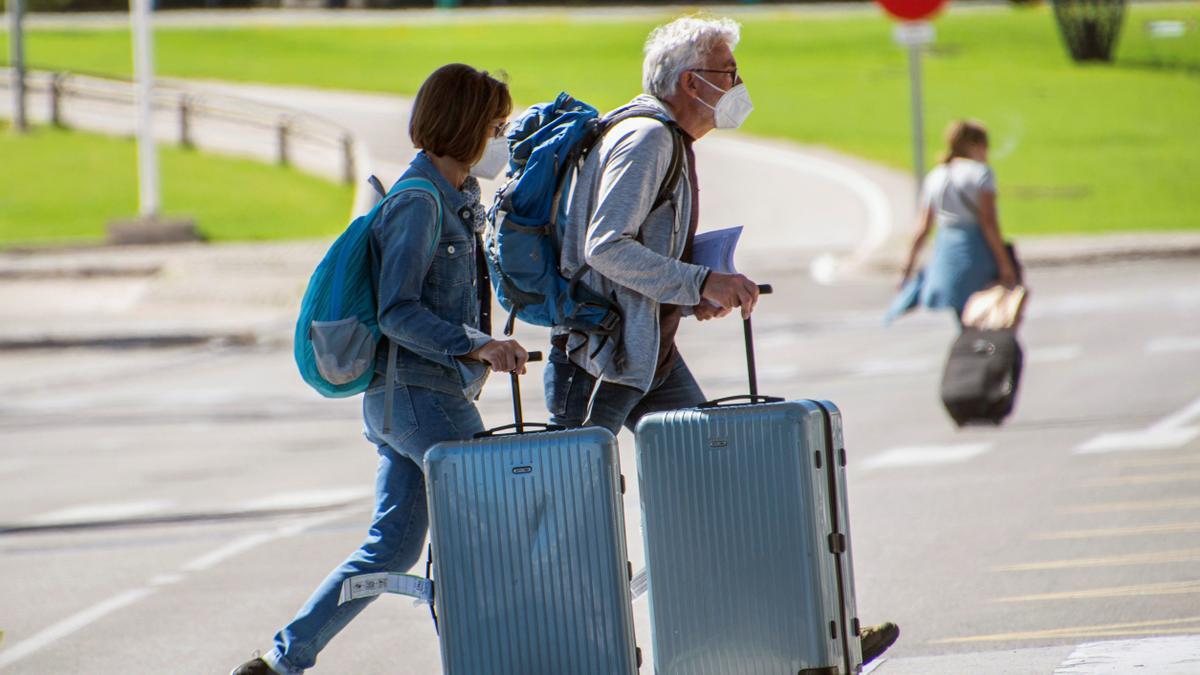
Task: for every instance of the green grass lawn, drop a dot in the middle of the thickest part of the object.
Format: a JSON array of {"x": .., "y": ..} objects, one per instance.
[
  {"x": 73, "y": 184},
  {"x": 1093, "y": 148}
]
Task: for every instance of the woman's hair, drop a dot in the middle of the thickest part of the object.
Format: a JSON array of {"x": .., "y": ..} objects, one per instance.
[
  {"x": 682, "y": 45},
  {"x": 453, "y": 109},
  {"x": 961, "y": 136}
]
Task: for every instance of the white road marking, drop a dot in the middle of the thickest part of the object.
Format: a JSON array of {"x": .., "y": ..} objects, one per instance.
[
  {"x": 1166, "y": 434},
  {"x": 75, "y": 622},
  {"x": 1182, "y": 417},
  {"x": 213, "y": 558},
  {"x": 1160, "y": 655},
  {"x": 1172, "y": 345},
  {"x": 1054, "y": 354},
  {"x": 104, "y": 511},
  {"x": 237, "y": 546},
  {"x": 872, "y": 197},
  {"x": 1149, "y": 439},
  {"x": 926, "y": 455},
  {"x": 309, "y": 499},
  {"x": 166, "y": 579},
  {"x": 69, "y": 625}
]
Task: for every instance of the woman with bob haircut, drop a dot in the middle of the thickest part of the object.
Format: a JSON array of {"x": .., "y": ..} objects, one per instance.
[
  {"x": 434, "y": 301},
  {"x": 968, "y": 253}
]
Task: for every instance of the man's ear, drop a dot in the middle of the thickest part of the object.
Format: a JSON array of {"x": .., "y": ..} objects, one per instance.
[{"x": 687, "y": 83}]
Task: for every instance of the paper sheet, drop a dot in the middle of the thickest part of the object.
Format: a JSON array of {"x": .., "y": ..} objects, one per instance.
[{"x": 715, "y": 249}]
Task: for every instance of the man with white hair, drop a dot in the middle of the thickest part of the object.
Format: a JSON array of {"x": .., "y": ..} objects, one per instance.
[
  {"x": 632, "y": 218},
  {"x": 625, "y": 243}
]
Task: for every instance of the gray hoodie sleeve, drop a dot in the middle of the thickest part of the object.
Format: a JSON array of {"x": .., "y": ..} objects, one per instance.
[{"x": 638, "y": 156}]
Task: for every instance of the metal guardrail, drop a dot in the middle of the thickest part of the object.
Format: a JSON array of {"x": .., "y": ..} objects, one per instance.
[{"x": 285, "y": 124}]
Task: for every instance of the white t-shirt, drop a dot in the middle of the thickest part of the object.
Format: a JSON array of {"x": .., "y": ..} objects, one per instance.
[{"x": 953, "y": 190}]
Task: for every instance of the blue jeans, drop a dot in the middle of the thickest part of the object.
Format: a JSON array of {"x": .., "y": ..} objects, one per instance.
[
  {"x": 574, "y": 400},
  {"x": 420, "y": 418}
]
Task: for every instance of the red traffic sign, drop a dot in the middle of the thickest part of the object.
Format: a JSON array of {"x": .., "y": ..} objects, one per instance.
[{"x": 912, "y": 10}]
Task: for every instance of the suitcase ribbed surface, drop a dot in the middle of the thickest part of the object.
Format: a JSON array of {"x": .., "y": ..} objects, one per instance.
[
  {"x": 529, "y": 555},
  {"x": 736, "y": 521}
]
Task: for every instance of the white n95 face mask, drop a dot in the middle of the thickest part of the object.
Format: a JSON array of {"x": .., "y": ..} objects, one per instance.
[
  {"x": 732, "y": 108},
  {"x": 495, "y": 158}
]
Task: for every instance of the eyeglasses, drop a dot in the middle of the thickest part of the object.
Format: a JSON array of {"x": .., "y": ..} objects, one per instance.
[{"x": 732, "y": 73}]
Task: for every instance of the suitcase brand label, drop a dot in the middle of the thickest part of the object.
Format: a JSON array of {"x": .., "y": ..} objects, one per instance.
[
  {"x": 718, "y": 443},
  {"x": 522, "y": 469}
]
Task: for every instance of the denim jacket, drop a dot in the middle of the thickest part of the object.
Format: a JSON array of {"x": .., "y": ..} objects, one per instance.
[{"x": 427, "y": 290}]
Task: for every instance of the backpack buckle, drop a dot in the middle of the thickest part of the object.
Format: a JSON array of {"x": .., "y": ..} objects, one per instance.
[{"x": 610, "y": 321}]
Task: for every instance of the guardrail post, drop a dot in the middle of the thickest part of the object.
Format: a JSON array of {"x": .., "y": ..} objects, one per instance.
[
  {"x": 348, "y": 159},
  {"x": 185, "y": 111},
  {"x": 56, "y": 94},
  {"x": 283, "y": 127}
]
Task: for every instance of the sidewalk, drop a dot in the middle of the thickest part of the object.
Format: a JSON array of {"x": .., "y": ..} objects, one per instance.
[
  {"x": 248, "y": 293},
  {"x": 142, "y": 295},
  {"x": 1062, "y": 250}
]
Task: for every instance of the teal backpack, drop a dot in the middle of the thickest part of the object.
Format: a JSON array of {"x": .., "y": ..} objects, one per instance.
[{"x": 337, "y": 331}]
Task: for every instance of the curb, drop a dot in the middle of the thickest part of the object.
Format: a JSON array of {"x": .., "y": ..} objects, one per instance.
[
  {"x": 169, "y": 519},
  {"x": 153, "y": 265},
  {"x": 1099, "y": 257},
  {"x": 1039, "y": 253},
  {"x": 160, "y": 341}
]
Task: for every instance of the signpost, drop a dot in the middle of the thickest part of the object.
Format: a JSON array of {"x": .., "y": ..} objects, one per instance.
[
  {"x": 150, "y": 227},
  {"x": 143, "y": 73},
  {"x": 16, "y": 50},
  {"x": 914, "y": 32}
]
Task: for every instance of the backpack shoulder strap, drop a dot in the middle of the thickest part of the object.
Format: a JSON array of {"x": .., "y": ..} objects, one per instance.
[
  {"x": 421, "y": 185},
  {"x": 674, "y": 170},
  {"x": 666, "y": 191},
  {"x": 373, "y": 181}
]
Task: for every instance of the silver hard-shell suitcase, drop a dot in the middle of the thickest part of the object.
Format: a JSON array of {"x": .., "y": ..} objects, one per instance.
[
  {"x": 747, "y": 537},
  {"x": 529, "y": 558}
]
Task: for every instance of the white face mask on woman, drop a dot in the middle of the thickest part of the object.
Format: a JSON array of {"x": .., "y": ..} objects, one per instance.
[
  {"x": 495, "y": 158},
  {"x": 732, "y": 108}
]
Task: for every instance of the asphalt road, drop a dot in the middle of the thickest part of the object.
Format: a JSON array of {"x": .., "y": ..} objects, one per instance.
[{"x": 1078, "y": 520}]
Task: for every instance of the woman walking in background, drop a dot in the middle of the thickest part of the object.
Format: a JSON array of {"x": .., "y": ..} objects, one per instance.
[
  {"x": 433, "y": 304},
  {"x": 959, "y": 196}
]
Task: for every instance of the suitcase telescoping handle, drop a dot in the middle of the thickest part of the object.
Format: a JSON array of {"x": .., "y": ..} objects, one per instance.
[
  {"x": 519, "y": 424},
  {"x": 751, "y": 368}
]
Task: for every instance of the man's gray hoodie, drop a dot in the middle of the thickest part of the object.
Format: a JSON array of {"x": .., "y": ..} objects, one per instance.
[{"x": 632, "y": 252}]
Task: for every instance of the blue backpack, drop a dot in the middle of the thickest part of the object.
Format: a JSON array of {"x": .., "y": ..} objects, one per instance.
[
  {"x": 548, "y": 145},
  {"x": 337, "y": 331}
]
